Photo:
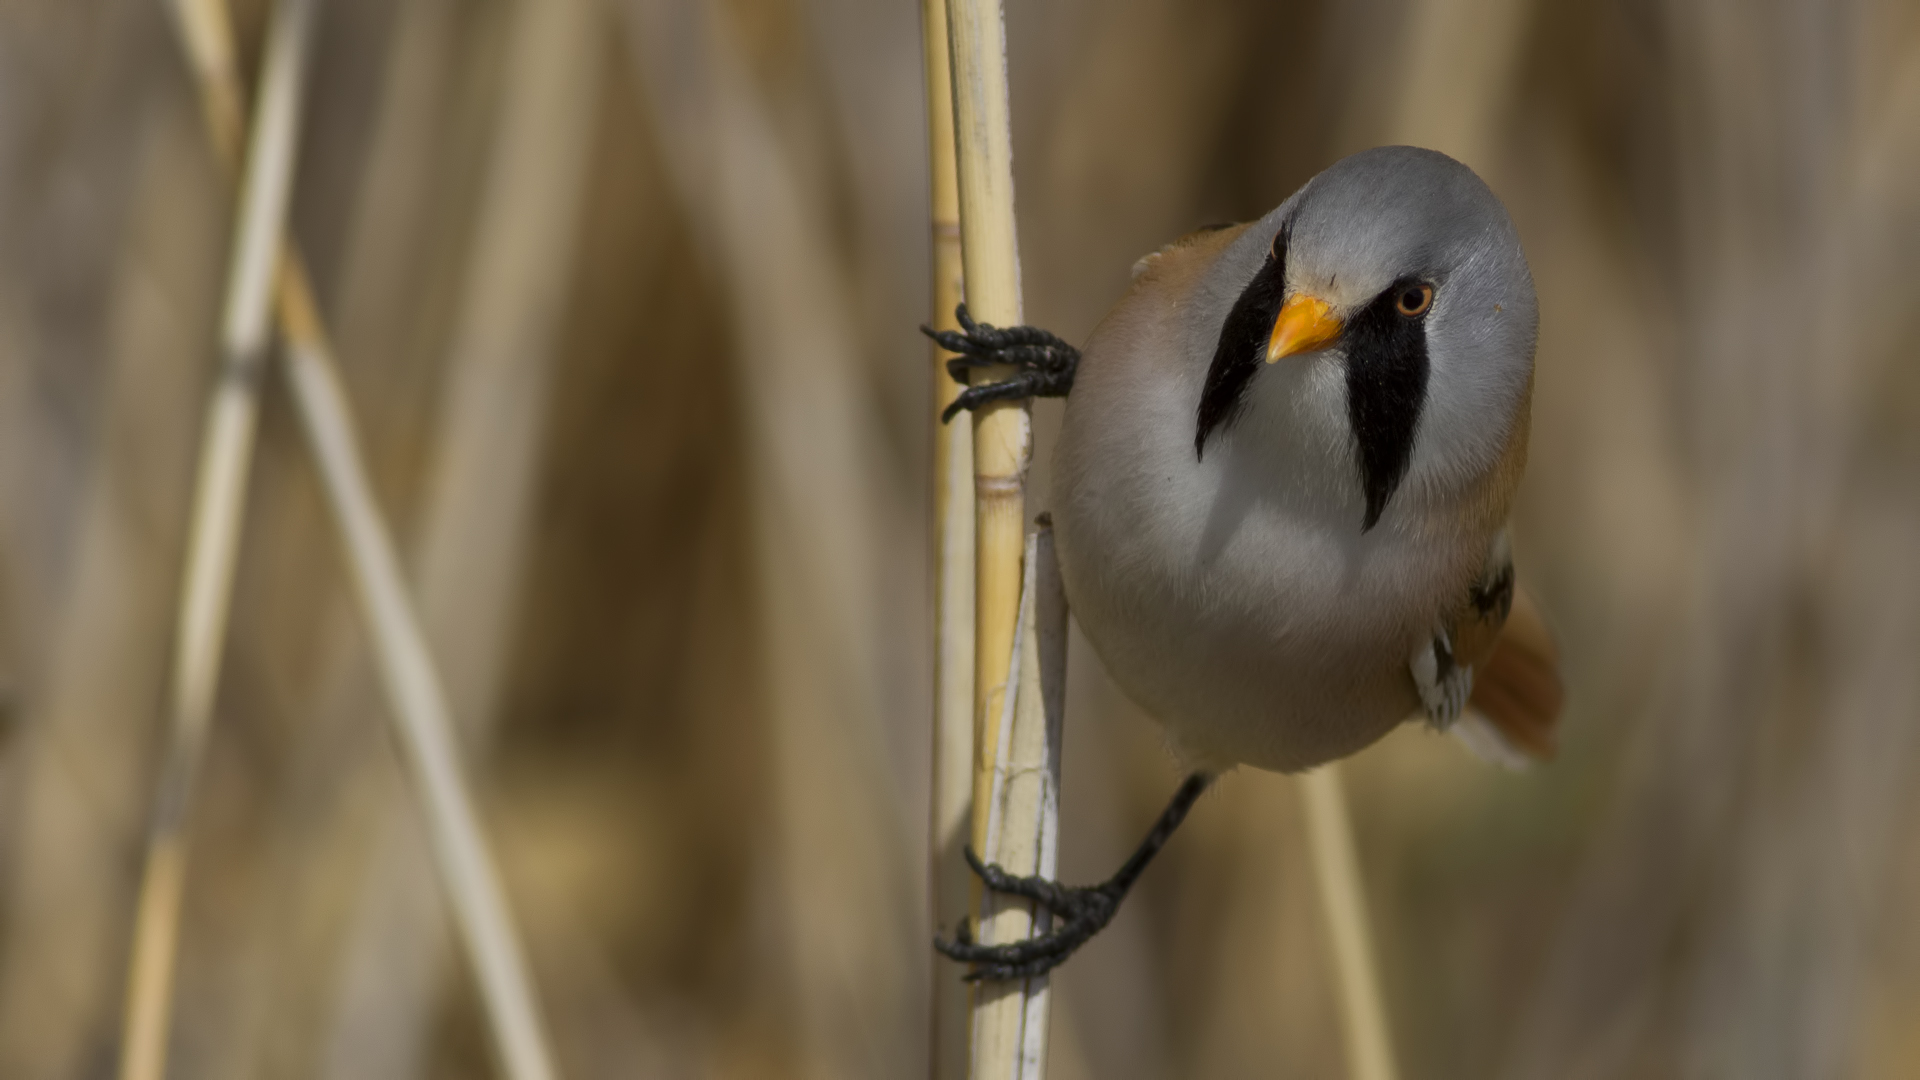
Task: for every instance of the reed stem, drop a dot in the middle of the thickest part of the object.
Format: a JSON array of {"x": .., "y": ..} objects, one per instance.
[
  {"x": 1002, "y": 431},
  {"x": 1023, "y": 811},
  {"x": 1002, "y": 444},
  {"x": 424, "y": 724},
  {"x": 1343, "y": 903},
  {"x": 416, "y": 701},
  {"x": 219, "y": 505},
  {"x": 951, "y": 800}
]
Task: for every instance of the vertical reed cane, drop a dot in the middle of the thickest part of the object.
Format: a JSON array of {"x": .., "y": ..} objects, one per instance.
[
  {"x": 1002, "y": 443},
  {"x": 1023, "y": 811},
  {"x": 948, "y": 879},
  {"x": 1343, "y": 904}
]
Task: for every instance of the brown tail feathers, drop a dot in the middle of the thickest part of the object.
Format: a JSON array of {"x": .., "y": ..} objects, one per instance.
[{"x": 1517, "y": 687}]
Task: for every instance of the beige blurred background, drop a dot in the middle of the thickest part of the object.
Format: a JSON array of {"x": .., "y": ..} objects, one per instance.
[{"x": 625, "y": 293}]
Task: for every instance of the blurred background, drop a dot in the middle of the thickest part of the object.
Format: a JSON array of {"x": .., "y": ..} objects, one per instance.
[{"x": 645, "y": 275}]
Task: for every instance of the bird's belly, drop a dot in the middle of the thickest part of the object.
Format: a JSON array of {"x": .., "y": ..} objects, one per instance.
[{"x": 1257, "y": 634}]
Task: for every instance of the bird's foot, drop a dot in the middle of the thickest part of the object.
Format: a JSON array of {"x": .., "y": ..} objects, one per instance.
[
  {"x": 1043, "y": 364},
  {"x": 1079, "y": 912},
  {"x": 1082, "y": 912}
]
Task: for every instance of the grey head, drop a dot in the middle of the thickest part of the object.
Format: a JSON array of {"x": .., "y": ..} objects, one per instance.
[{"x": 1401, "y": 267}]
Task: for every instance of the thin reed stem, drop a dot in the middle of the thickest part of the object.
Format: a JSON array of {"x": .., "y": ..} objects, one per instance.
[
  {"x": 1343, "y": 903},
  {"x": 481, "y": 484},
  {"x": 949, "y": 880},
  {"x": 219, "y": 503},
  {"x": 415, "y": 699},
  {"x": 1002, "y": 446},
  {"x": 424, "y": 725},
  {"x": 1003, "y": 431}
]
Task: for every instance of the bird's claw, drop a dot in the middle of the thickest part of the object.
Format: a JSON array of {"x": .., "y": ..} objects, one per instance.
[
  {"x": 1043, "y": 364},
  {"x": 1081, "y": 912}
]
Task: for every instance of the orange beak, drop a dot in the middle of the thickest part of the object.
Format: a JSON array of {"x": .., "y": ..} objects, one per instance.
[{"x": 1306, "y": 323}]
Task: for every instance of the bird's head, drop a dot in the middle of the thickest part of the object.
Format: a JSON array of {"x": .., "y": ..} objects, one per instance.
[{"x": 1394, "y": 288}]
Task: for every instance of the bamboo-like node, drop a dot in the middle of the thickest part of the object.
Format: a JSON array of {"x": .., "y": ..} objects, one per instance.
[{"x": 1009, "y": 1020}]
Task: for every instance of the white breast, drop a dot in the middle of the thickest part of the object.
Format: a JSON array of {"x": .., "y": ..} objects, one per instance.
[{"x": 1235, "y": 598}]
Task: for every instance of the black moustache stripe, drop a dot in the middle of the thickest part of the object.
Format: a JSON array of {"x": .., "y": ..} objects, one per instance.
[
  {"x": 1243, "y": 343},
  {"x": 1387, "y": 371},
  {"x": 1386, "y": 391}
]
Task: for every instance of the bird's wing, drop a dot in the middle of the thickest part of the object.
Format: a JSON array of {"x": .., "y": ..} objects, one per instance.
[
  {"x": 1214, "y": 237},
  {"x": 1492, "y": 674}
]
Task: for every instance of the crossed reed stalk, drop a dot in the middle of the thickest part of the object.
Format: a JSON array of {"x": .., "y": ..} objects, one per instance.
[{"x": 268, "y": 278}]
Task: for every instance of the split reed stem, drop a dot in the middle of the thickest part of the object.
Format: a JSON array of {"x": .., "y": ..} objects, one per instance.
[
  {"x": 1023, "y": 832},
  {"x": 1002, "y": 444}
]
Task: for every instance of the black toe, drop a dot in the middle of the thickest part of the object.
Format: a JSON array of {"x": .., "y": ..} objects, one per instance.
[
  {"x": 1043, "y": 365},
  {"x": 1078, "y": 912}
]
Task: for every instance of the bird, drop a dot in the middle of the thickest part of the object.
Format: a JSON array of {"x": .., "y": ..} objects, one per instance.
[{"x": 1282, "y": 487}]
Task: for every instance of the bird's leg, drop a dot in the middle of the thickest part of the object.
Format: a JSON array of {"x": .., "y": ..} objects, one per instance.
[
  {"x": 1043, "y": 364},
  {"x": 1082, "y": 911}
]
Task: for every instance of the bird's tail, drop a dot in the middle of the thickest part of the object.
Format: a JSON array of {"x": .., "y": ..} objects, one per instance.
[{"x": 1514, "y": 711}]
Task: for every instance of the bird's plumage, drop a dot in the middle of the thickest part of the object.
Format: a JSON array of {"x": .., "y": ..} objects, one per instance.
[
  {"x": 1281, "y": 491},
  {"x": 1260, "y": 552}
]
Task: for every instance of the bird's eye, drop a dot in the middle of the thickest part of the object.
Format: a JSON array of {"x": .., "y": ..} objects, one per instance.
[{"x": 1414, "y": 300}]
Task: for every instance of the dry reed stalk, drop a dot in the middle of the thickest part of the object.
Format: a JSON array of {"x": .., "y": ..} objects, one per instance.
[
  {"x": 318, "y": 818},
  {"x": 1002, "y": 445},
  {"x": 951, "y": 798},
  {"x": 482, "y": 482},
  {"x": 1023, "y": 812},
  {"x": 424, "y": 724},
  {"x": 1002, "y": 431},
  {"x": 415, "y": 698},
  {"x": 219, "y": 504},
  {"x": 1343, "y": 903}
]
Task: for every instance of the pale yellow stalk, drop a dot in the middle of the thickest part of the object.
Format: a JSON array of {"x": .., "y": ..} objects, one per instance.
[
  {"x": 951, "y": 796},
  {"x": 1002, "y": 443},
  {"x": 1343, "y": 903},
  {"x": 219, "y": 504},
  {"x": 1003, "y": 431}
]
